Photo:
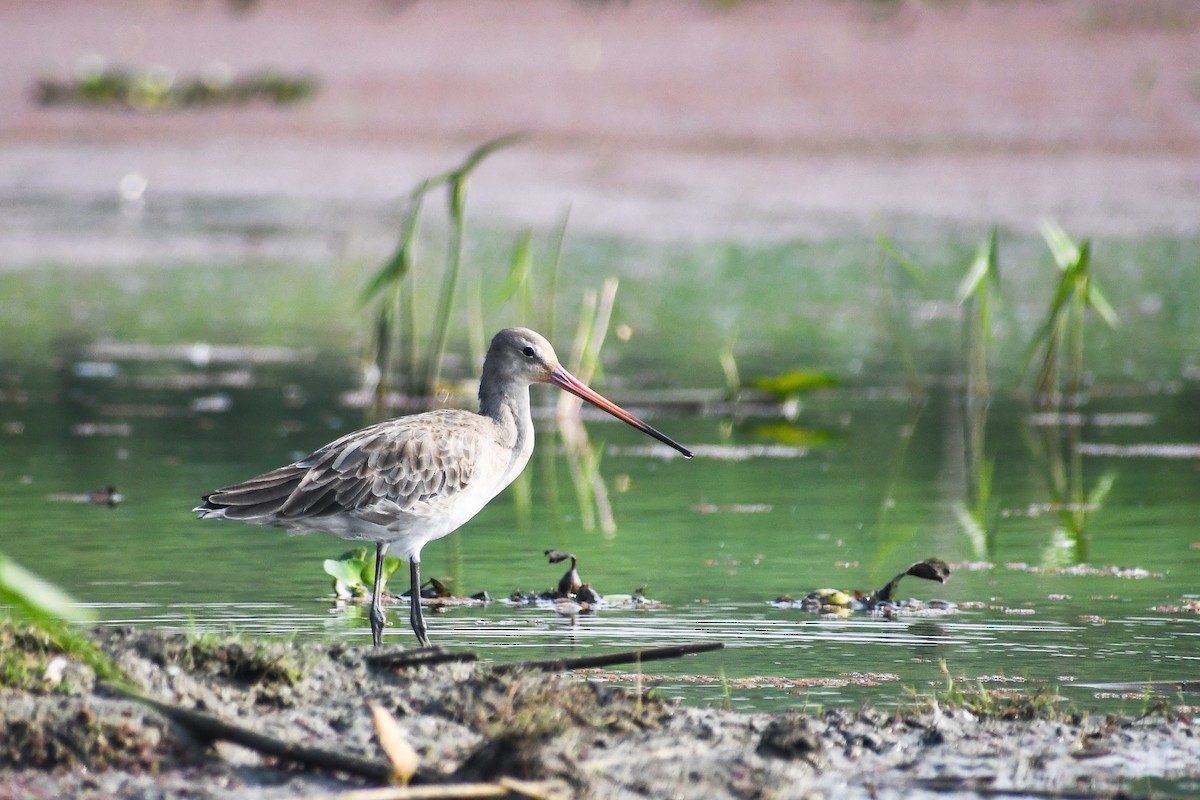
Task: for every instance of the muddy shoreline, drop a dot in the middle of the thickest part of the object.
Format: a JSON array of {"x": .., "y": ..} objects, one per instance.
[{"x": 67, "y": 735}]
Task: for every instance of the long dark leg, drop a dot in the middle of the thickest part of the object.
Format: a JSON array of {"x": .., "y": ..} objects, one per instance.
[
  {"x": 415, "y": 618},
  {"x": 377, "y": 618}
]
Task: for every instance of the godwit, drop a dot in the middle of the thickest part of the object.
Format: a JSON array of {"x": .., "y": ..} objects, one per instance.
[{"x": 409, "y": 480}]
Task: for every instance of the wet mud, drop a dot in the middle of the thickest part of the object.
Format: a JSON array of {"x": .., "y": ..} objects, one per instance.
[{"x": 66, "y": 733}]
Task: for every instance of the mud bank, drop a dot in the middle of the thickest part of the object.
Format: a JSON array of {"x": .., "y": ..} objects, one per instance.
[{"x": 67, "y": 735}]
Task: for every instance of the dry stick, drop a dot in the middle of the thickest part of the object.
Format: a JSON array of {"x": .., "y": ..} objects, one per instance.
[
  {"x": 503, "y": 787},
  {"x": 432, "y": 792},
  {"x": 213, "y": 727},
  {"x": 417, "y": 658},
  {"x": 961, "y": 785},
  {"x": 610, "y": 659}
]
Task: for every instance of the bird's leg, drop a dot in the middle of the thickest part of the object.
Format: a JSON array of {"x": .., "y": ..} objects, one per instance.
[
  {"x": 415, "y": 618},
  {"x": 377, "y": 617}
]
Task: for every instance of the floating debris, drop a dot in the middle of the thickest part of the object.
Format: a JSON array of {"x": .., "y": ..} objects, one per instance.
[
  {"x": 107, "y": 496},
  {"x": 96, "y": 369},
  {"x": 200, "y": 354},
  {"x": 1148, "y": 450},
  {"x": 193, "y": 381},
  {"x": 1186, "y": 605},
  {"x": 719, "y": 452},
  {"x": 748, "y": 682},
  {"x": 1035, "y": 510},
  {"x": 1052, "y": 419},
  {"x": 212, "y": 404},
  {"x": 736, "y": 508},
  {"x": 1112, "y": 570},
  {"x": 837, "y": 602},
  {"x": 572, "y": 596},
  {"x": 1134, "y": 419},
  {"x": 102, "y": 429}
]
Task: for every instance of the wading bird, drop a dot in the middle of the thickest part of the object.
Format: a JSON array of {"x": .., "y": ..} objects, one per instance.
[{"x": 410, "y": 480}]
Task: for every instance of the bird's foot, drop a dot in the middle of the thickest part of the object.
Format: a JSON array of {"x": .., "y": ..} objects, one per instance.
[{"x": 378, "y": 623}]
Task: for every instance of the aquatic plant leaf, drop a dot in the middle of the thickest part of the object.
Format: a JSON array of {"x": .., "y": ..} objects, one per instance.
[
  {"x": 486, "y": 149},
  {"x": 792, "y": 434},
  {"x": 1099, "y": 492},
  {"x": 400, "y": 264},
  {"x": 972, "y": 528},
  {"x": 795, "y": 382},
  {"x": 909, "y": 264},
  {"x": 522, "y": 266},
  {"x": 1050, "y": 329},
  {"x": 390, "y": 565},
  {"x": 349, "y": 572},
  {"x": 32, "y": 597},
  {"x": 983, "y": 268},
  {"x": 1066, "y": 253},
  {"x": 1099, "y": 304}
]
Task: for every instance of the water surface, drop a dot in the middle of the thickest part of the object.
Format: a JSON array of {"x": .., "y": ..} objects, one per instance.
[{"x": 862, "y": 484}]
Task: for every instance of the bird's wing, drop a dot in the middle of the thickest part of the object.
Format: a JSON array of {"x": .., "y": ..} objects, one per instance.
[{"x": 402, "y": 467}]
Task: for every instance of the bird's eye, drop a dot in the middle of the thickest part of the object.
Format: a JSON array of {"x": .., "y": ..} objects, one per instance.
[{"x": 528, "y": 351}]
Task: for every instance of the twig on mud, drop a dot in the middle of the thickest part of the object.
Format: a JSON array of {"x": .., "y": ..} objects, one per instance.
[
  {"x": 402, "y": 659},
  {"x": 957, "y": 785},
  {"x": 212, "y": 727},
  {"x": 504, "y": 787},
  {"x": 610, "y": 659}
]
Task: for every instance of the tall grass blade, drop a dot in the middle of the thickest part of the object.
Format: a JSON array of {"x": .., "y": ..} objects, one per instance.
[
  {"x": 1065, "y": 252},
  {"x": 550, "y": 315},
  {"x": 1062, "y": 330},
  {"x": 583, "y": 459},
  {"x": 729, "y": 367},
  {"x": 33, "y": 598},
  {"x": 974, "y": 293},
  {"x": 909, "y": 264},
  {"x": 395, "y": 319},
  {"x": 476, "y": 334},
  {"x": 983, "y": 268},
  {"x": 520, "y": 273},
  {"x": 399, "y": 266},
  {"x": 456, "y": 183},
  {"x": 899, "y": 331},
  {"x": 454, "y": 251}
]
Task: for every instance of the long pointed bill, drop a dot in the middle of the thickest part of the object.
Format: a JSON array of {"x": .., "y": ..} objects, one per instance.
[{"x": 568, "y": 382}]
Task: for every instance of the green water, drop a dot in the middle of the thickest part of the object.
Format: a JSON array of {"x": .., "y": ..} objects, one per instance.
[
  {"x": 713, "y": 540},
  {"x": 868, "y": 478}
]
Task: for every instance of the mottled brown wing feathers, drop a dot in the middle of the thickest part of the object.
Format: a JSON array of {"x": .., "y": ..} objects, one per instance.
[{"x": 407, "y": 464}]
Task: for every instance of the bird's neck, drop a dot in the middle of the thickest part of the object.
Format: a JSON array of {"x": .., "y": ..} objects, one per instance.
[{"x": 508, "y": 406}]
